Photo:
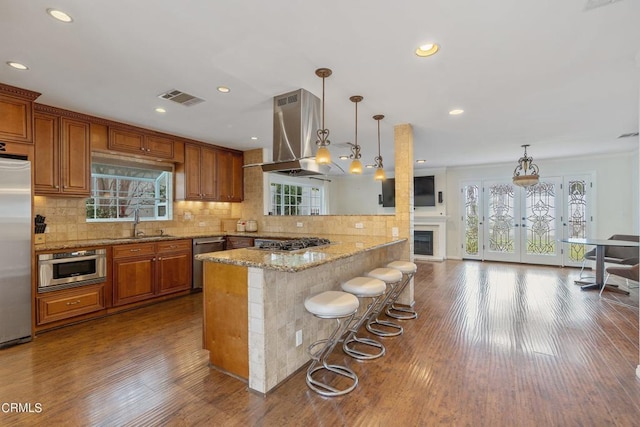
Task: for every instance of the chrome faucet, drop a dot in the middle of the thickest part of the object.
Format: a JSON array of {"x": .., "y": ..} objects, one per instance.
[{"x": 136, "y": 221}]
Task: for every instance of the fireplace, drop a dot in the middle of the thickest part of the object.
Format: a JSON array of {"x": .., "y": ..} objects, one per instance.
[
  {"x": 423, "y": 243},
  {"x": 430, "y": 237}
]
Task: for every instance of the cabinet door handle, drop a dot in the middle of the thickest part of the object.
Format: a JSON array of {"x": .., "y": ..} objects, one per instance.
[
  {"x": 134, "y": 250},
  {"x": 56, "y": 186},
  {"x": 142, "y": 149},
  {"x": 148, "y": 149},
  {"x": 159, "y": 258},
  {"x": 73, "y": 302}
]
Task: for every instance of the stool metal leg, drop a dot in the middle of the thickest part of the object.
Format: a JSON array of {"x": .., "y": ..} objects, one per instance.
[
  {"x": 352, "y": 338},
  {"x": 320, "y": 363},
  {"x": 373, "y": 324},
  {"x": 401, "y": 313}
]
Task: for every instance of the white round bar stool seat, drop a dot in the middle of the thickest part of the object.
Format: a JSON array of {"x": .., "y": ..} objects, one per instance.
[
  {"x": 405, "y": 267},
  {"x": 386, "y": 274},
  {"x": 384, "y": 328},
  {"x": 408, "y": 270},
  {"x": 331, "y": 305},
  {"x": 363, "y": 287}
]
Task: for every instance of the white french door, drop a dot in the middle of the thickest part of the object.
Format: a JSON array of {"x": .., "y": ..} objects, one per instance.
[{"x": 502, "y": 222}]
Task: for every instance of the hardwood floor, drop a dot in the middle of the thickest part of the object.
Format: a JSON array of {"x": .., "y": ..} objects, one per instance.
[{"x": 494, "y": 345}]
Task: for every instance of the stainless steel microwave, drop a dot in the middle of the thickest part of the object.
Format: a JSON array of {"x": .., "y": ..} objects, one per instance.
[{"x": 70, "y": 269}]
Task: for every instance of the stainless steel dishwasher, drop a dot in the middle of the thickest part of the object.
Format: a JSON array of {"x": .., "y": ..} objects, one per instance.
[{"x": 201, "y": 246}]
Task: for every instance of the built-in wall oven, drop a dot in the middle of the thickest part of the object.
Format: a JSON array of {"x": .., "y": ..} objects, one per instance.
[{"x": 70, "y": 269}]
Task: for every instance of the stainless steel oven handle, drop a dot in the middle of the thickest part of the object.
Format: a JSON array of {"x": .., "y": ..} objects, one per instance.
[{"x": 71, "y": 259}]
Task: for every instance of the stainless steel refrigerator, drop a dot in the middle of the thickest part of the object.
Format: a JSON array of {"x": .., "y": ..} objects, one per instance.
[{"x": 15, "y": 250}]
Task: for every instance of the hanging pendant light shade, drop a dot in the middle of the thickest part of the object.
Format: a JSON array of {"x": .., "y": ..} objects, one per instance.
[
  {"x": 526, "y": 173},
  {"x": 379, "y": 175},
  {"x": 355, "y": 167},
  {"x": 323, "y": 157}
]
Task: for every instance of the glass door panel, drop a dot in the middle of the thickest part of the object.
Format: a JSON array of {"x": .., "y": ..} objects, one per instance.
[
  {"x": 501, "y": 225},
  {"x": 541, "y": 223},
  {"x": 472, "y": 237}
]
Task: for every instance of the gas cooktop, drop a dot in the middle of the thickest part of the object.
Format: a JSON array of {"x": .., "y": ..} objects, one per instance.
[{"x": 293, "y": 244}]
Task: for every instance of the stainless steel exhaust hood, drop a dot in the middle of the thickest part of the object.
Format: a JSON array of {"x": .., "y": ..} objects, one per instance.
[{"x": 296, "y": 119}]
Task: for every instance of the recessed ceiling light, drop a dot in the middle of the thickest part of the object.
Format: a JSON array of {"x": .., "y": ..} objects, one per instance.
[
  {"x": 223, "y": 89},
  {"x": 427, "y": 49},
  {"x": 17, "y": 65},
  {"x": 160, "y": 110},
  {"x": 254, "y": 138},
  {"x": 421, "y": 161},
  {"x": 343, "y": 157},
  {"x": 456, "y": 112},
  {"x": 59, "y": 15}
]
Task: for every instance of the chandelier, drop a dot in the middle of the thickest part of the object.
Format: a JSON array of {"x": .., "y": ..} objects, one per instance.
[
  {"x": 379, "y": 175},
  {"x": 356, "y": 166},
  {"x": 526, "y": 173},
  {"x": 323, "y": 157}
]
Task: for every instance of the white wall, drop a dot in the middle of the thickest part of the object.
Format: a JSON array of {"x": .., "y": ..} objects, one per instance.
[
  {"x": 358, "y": 194},
  {"x": 616, "y": 191}
]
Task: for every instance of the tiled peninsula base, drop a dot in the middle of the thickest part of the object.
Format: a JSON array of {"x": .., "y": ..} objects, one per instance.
[{"x": 275, "y": 307}]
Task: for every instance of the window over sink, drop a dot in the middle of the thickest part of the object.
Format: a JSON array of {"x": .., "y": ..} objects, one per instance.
[{"x": 119, "y": 188}]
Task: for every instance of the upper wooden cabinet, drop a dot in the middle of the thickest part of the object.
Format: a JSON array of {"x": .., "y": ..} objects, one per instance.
[
  {"x": 62, "y": 156},
  {"x": 16, "y": 114},
  {"x": 210, "y": 174},
  {"x": 140, "y": 143},
  {"x": 199, "y": 173},
  {"x": 230, "y": 176}
]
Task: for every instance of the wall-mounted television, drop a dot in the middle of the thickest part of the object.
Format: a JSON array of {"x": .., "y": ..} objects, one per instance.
[{"x": 423, "y": 191}]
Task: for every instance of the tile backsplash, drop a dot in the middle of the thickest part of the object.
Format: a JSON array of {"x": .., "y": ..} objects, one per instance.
[{"x": 66, "y": 220}]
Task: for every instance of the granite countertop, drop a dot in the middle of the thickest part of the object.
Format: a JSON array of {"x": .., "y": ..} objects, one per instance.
[
  {"x": 342, "y": 246},
  {"x": 73, "y": 244}
]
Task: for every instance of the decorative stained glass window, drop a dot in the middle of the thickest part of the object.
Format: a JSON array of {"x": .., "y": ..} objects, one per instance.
[
  {"x": 541, "y": 215},
  {"x": 472, "y": 219},
  {"x": 501, "y": 218},
  {"x": 577, "y": 216}
]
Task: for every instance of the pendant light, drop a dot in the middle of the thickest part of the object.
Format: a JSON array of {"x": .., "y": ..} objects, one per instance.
[
  {"x": 379, "y": 175},
  {"x": 356, "y": 166},
  {"x": 323, "y": 157},
  {"x": 526, "y": 173}
]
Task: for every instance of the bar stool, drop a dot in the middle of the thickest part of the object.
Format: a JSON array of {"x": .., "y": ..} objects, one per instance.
[
  {"x": 363, "y": 287},
  {"x": 391, "y": 277},
  {"x": 331, "y": 305},
  {"x": 408, "y": 269}
]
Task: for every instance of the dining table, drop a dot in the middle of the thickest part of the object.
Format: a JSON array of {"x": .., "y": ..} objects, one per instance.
[{"x": 598, "y": 282}]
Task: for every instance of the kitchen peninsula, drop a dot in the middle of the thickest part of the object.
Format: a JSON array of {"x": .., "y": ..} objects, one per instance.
[{"x": 254, "y": 302}]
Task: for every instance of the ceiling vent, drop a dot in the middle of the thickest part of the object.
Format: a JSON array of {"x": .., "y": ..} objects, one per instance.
[
  {"x": 628, "y": 135},
  {"x": 593, "y": 4},
  {"x": 181, "y": 98}
]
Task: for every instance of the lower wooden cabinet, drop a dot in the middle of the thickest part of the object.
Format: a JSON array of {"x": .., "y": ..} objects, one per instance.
[
  {"x": 143, "y": 271},
  {"x": 237, "y": 242},
  {"x": 68, "y": 303}
]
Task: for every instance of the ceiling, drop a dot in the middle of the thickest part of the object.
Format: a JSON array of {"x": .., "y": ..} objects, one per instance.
[{"x": 562, "y": 76}]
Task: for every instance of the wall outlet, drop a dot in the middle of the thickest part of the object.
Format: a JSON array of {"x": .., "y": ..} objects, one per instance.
[
  {"x": 202, "y": 224},
  {"x": 359, "y": 225},
  {"x": 395, "y": 232},
  {"x": 187, "y": 216},
  {"x": 299, "y": 338},
  {"x": 299, "y": 224},
  {"x": 39, "y": 238}
]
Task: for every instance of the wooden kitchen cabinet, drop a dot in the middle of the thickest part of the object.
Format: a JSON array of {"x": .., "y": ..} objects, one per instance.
[
  {"x": 230, "y": 176},
  {"x": 174, "y": 266},
  {"x": 68, "y": 303},
  {"x": 200, "y": 173},
  {"x": 16, "y": 113},
  {"x": 210, "y": 174},
  {"x": 135, "y": 142},
  {"x": 62, "y": 156},
  {"x": 237, "y": 242},
  {"x": 143, "y": 271}
]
